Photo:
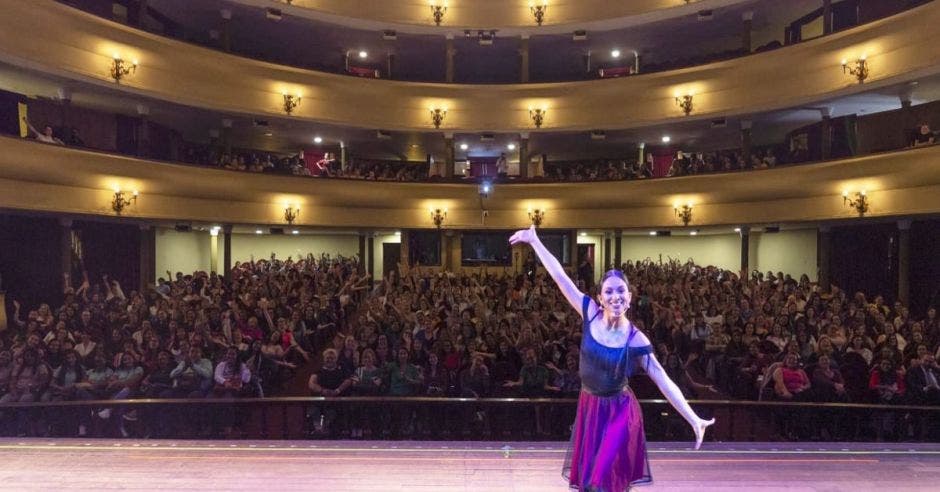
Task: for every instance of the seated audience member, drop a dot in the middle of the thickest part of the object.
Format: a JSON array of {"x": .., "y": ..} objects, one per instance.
[
  {"x": 827, "y": 382},
  {"x": 231, "y": 376},
  {"x": 159, "y": 383},
  {"x": 923, "y": 136},
  {"x": 45, "y": 136},
  {"x": 28, "y": 380},
  {"x": 330, "y": 380},
  {"x": 192, "y": 377},
  {"x": 923, "y": 381},
  {"x": 791, "y": 381}
]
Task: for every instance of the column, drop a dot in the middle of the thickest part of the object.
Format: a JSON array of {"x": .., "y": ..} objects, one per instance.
[
  {"x": 447, "y": 258},
  {"x": 606, "y": 256},
  {"x": 524, "y": 155},
  {"x": 65, "y": 249},
  {"x": 524, "y": 59},
  {"x": 745, "y": 248},
  {"x": 618, "y": 242},
  {"x": 746, "y": 141},
  {"x": 226, "y": 29},
  {"x": 641, "y": 154},
  {"x": 362, "y": 254},
  {"x": 450, "y": 52},
  {"x": 827, "y": 16},
  {"x": 136, "y": 11},
  {"x": 227, "y": 135},
  {"x": 227, "y": 251},
  {"x": 825, "y": 142},
  {"x": 823, "y": 254},
  {"x": 747, "y": 24},
  {"x": 342, "y": 155},
  {"x": 449, "y": 156},
  {"x": 904, "y": 261},
  {"x": 213, "y": 250},
  {"x": 636, "y": 62},
  {"x": 370, "y": 253},
  {"x": 573, "y": 248},
  {"x": 64, "y": 95},
  {"x": 587, "y": 61},
  {"x": 143, "y": 130},
  {"x": 148, "y": 257}
]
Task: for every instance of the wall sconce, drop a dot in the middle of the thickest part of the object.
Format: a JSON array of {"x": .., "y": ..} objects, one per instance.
[
  {"x": 120, "y": 68},
  {"x": 536, "y": 216},
  {"x": 860, "y": 70},
  {"x": 121, "y": 200},
  {"x": 684, "y": 213},
  {"x": 538, "y": 116},
  {"x": 538, "y": 11},
  {"x": 685, "y": 103},
  {"x": 437, "y": 216},
  {"x": 859, "y": 203},
  {"x": 290, "y": 102},
  {"x": 437, "y": 116},
  {"x": 438, "y": 11},
  {"x": 291, "y": 214}
]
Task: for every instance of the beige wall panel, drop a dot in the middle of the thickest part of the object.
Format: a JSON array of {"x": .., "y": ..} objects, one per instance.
[
  {"x": 792, "y": 252},
  {"x": 260, "y": 246},
  {"x": 185, "y": 252},
  {"x": 721, "y": 250}
]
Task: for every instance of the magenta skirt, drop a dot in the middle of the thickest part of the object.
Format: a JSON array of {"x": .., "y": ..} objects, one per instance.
[{"x": 608, "y": 447}]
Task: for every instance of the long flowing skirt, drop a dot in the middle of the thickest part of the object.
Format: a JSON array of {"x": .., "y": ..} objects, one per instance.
[{"x": 608, "y": 447}]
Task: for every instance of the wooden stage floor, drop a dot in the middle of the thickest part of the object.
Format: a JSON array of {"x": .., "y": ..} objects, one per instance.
[{"x": 334, "y": 466}]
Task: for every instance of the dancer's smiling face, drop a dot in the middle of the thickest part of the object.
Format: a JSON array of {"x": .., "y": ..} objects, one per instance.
[{"x": 614, "y": 296}]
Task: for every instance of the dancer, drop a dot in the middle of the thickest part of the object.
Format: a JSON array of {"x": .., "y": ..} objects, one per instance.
[{"x": 608, "y": 446}]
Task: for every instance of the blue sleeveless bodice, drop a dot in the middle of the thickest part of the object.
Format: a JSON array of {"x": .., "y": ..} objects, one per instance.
[{"x": 605, "y": 370}]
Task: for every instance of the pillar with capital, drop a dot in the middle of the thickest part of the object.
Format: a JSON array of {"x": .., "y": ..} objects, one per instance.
[
  {"x": 449, "y": 156},
  {"x": 904, "y": 261},
  {"x": 747, "y": 25},
  {"x": 450, "y": 51},
  {"x": 524, "y": 59},
  {"x": 524, "y": 155}
]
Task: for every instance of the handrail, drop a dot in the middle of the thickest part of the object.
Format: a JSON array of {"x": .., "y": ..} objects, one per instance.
[{"x": 442, "y": 400}]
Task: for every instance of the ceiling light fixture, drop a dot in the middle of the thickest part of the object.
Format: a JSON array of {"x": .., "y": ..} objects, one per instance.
[{"x": 666, "y": 139}]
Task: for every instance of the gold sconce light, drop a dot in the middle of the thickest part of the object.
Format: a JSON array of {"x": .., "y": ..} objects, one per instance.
[
  {"x": 291, "y": 102},
  {"x": 684, "y": 213},
  {"x": 437, "y": 216},
  {"x": 438, "y": 10},
  {"x": 122, "y": 201},
  {"x": 437, "y": 116},
  {"x": 859, "y": 70},
  {"x": 291, "y": 213},
  {"x": 536, "y": 216},
  {"x": 685, "y": 103},
  {"x": 859, "y": 203},
  {"x": 120, "y": 68},
  {"x": 538, "y": 11},
  {"x": 538, "y": 116}
]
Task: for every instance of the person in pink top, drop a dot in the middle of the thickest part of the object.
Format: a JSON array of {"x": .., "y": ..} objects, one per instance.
[{"x": 790, "y": 381}]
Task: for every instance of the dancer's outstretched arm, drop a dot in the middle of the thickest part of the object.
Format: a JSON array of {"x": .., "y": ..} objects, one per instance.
[
  {"x": 671, "y": 391},
  {"x": 554, "y": 268}
]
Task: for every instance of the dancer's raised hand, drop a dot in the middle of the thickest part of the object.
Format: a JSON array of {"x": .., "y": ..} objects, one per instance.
[
  {"x": 699, "y": 428},
  {"x": 524, "y": 236}
]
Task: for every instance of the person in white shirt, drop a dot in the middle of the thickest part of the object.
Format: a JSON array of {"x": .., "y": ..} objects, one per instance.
[{"x": 45, "y": 135}]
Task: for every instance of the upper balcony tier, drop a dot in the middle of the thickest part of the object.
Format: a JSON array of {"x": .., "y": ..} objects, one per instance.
[
  {"x": 55, "y": 179},
  {"x": 513, "y": 16},
  {"x": 666, "y": 39},
  {"x": 81, "y": 47}
]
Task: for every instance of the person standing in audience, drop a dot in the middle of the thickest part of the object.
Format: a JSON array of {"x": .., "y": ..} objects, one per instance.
[{"x": 44, "y": 136}]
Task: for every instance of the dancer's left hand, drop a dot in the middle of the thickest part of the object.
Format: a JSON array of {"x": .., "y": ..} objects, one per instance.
[{"x": 699, "y": 428}]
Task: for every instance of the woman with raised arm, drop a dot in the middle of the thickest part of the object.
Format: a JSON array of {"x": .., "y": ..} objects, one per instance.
[{"x": 608, "y": 446}]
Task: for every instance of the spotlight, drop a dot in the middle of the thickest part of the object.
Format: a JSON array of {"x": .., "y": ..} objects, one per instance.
[
  {"x": 615, "y": 53},
  {"x": 259, "y": 231},
  {"x": 666, "y": 139},
  {"x": 464, "y": 146},
  {"x": 317, "y": 139},
  {"x": 511, "y": 146},
  {"x": 363, "y": 54}
]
